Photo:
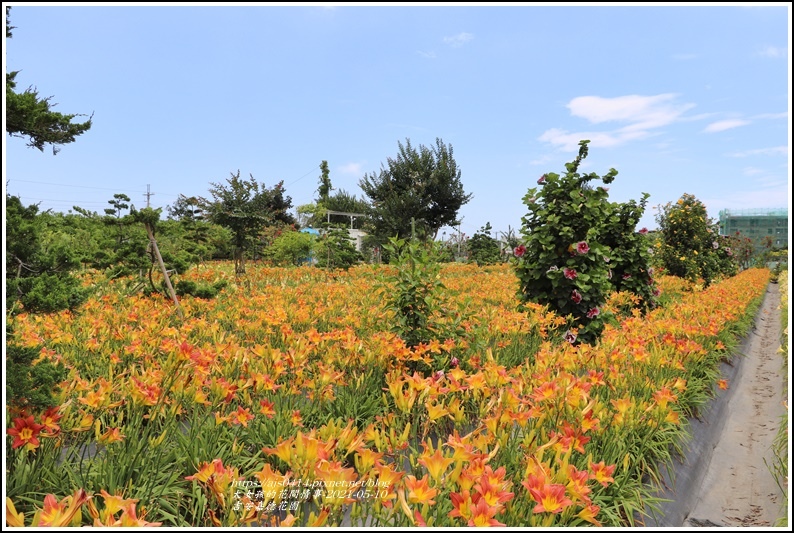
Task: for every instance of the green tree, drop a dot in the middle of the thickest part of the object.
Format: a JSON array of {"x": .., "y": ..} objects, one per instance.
[
  {"x": 30, "y": 116},
  {"x": 690, "y": 243},
  {"x": 416, "y": 194},
  {"x": 245, "y": 207},
  {"x": 38, "y": 273},
  {"x": 186, "y": 209},
  {"x": 195, "y": 229},
  {"x": 345, "y": 202},
  {"x": 292, "y": 248},
  {"x": 336, "y": 250},
  {"x": 484, "y": 249},
  {"x": 325, "y": 182}
]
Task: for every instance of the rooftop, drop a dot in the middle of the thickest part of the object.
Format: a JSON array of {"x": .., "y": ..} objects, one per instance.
[{"x": 755, "y": 212}]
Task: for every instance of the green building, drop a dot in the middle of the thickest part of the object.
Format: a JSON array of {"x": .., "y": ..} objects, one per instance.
[{"x": 757, "y": 224}]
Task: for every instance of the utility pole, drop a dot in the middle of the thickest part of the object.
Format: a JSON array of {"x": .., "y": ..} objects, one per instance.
[{"x": 148, "y": 194}]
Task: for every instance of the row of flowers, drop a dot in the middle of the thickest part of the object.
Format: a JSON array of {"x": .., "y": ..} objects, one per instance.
[{"x": 298, "y": 381}]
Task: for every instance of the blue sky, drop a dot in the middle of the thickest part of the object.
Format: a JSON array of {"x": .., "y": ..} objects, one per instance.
[{"x": 678, "y": 98}]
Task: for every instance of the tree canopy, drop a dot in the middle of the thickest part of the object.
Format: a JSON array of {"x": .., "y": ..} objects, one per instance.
[
  {"x": 418, "y": 192},
  {"x": 30, "y": 116},
  {"x": 245, "y": 207}
]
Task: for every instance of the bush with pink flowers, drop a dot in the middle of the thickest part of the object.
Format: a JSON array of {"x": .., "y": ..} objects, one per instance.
[{"x": 578, "y": 247}]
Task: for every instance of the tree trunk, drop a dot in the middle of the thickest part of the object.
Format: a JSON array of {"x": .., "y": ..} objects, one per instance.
[
  {"x": 239, "y": 261},
  {"x": 165, "y": 272}
]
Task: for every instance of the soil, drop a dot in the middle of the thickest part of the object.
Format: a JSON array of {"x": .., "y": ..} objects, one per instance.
[{"x": 738, "y": 488}]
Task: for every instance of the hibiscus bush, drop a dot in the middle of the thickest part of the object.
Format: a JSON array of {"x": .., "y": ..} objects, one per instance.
[
  {"x": 563, "y": 262},
  {"x": 578, "y": 248},
  {"x": 631, "y": 253}
]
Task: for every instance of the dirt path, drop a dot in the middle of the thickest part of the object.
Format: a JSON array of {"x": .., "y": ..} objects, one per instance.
[{"x": 738, "y": 488}]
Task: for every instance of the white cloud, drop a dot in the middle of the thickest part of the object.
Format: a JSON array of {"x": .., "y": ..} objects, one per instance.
[
  {"x": 772, "y": 51},
  {"x": 429, "y": 55},
  {"x": 641, "y": 113},
  {"x": 775, "y": 150},
  {"x": 542, "y": 160},
  {"x": 458, "y": 40},
  {"x": 784, "y": 114},
  {"x": 353, "y": 169},
  {"x": 751, "y": 171},
  {"x": 722, "y": 125},
  {"x": 569, "y": 141},
  {"x": 639, "y": 110}
]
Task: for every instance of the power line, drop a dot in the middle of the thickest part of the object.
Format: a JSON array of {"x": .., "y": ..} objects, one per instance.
[
  {"x": 28, "y": 199},
  {"x": 297, "y": 180},
  {"x": 65, "y": 185}
]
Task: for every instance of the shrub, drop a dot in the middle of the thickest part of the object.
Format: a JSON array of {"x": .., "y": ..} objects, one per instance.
[
  {"x": 416, "y": 290},
  {"x": 336, "y": 250},
  {"x": 690, "y": 246},
  {"x": 291, "y": 248},
  {"x": 562, "y": 261},
  {"x": 484, "y": 249},
  {"x": 630, "y": 253},
  {"x": 29, "y": 383}
]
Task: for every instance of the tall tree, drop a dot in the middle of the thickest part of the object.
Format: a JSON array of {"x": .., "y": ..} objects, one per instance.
[
  {"x": 30, "y": 116},
  {"x": 418, "y": 192},
  {"x": 185, "y": 209},
  {"x": 245, "y": 207},
  {"x": 325, "y": 188},
  {"x": 484, "y": 248}
]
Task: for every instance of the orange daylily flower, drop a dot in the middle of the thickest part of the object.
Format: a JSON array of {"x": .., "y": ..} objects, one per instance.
[
  {"x": 110, "y": 436},
  {"x": 435, "y": 410},
  {"x": 319, "y": 520},
  {"x": 271, "y": 478},
  {"x": 366, "y": 459},
  {"x": 337, "y": 480},
  {"x": 25, "y": 433},
  {"x": 577, "y": 484},
  {"x": 129, "y": 518},
  {"x": 462, "y": 505},
  {"x": 241, "y": 416},
  {"x": 551, "y": 498},
  {"x": 476, "y": 383},
  {"x": 217, "y": 477},
  {"x": 436, "y": 464},
  {"x": 302, "y": 452},
  {"x": 590, "y": 422},
  {"x": 388, "y": 479},
  {"x": 267, "y": 408},
  {"x": 664, "y": 396},
  {"x": 419, "y": 491},
  {"x": 492, "y": 493},
  {"x": 114, "y": 503},
  {"x": 50, "y": 421},
  {"x": 723, "y": 384},
  {"x": 59, "y": 514},
  {"x": 589, "y": 513},
  {"x": 85, "y": 423},
  {"x": 602, "y": 473},
  {"x": 13, "y": 518},
  {"x": 482, "y": 515},
  {"x": 296, "y": 418},
  {"x": 672, "y": 417}
]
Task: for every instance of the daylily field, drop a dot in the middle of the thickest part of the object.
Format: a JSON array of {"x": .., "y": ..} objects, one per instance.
[{"x": 287, "y": 400}]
